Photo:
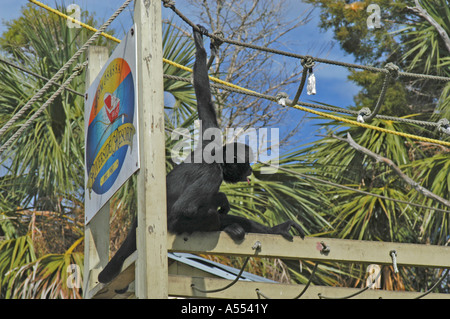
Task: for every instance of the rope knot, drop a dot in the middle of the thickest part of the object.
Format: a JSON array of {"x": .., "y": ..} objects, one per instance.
[
  {"x": 362, "y": 114},
  {"x": 308, "y": 62},
  {"x": 79, "y": 67},
  {"x": 216, "y": 39},
  {"x": 168, "y": 3},
  {"x": 392, "y": 69},
  {"x": 444, "y": 126},
  {"x": 281, "y": 98}
]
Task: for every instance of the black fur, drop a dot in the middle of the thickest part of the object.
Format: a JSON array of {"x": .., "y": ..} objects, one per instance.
[{"x": 194, "y": 202}]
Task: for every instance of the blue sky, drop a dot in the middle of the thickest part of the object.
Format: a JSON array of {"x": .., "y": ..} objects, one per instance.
[{"x": 332, "y": 84}]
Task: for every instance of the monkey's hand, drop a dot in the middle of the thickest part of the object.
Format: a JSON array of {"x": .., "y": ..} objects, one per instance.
[
  {"x": 198, "y": 36},
  {"x": 203, "y": 30},
  {"x": 283, "y": 229}
]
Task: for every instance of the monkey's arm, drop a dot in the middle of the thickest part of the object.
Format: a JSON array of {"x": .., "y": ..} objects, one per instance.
[{"x": 205, "y": 106}]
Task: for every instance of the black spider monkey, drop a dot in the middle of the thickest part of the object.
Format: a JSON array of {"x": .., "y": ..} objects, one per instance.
[{"x": 194, "y": 202}]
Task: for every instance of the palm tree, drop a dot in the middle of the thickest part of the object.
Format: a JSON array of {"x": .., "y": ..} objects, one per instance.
[
  {"x": 41, "y": 198},
  {"x": 49, "y": 193},
  {"x": 41, "y": 183}
]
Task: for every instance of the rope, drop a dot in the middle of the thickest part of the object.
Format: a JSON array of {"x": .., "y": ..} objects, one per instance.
[
  {"x": 62, "y": 15},
  {"x": 308, "y": 283},
  {"x": 171, "y": 4},
  {"x": 38, "y": 76},
  {"x": 326, "y": 115},
  {"x": 393, "y": 72},
  {"x": 63, "y": 69},
  {"x": 243, "y": 90},
  {"x": 16, "y": 135}
]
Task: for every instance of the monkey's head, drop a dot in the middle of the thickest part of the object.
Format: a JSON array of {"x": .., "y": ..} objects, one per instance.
[{"x": 236, "y": 162}]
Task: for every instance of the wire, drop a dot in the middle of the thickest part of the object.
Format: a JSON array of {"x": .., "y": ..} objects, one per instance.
[
  {"x": 356, "y": 293},
  {"x": 308, "y": 283},
  {"x": 250, "y": 92},
  {"x": 62, "y": 15},
  {"x": 170, "y": 4},
  {"x": 354, "y": 189},
  {"x": 61, "y": 71},
  {"x": 434, "y": 286},
  {"x": 238, "y": 89},
  {"x": 347, "y": 187},
  {"x": 227, "y": 286},
  {"x": 260, "y": 294},
  {"x": 37, "y": 75},
  {"x": 16, "y": 135}
]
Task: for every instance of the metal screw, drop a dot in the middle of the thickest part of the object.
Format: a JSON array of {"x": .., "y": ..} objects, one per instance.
[
  {"x": 257, "y": 245},
  {"x": 325, "y": 249}
]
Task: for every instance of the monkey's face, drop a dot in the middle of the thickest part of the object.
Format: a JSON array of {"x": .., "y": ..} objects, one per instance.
[{"x": 237, "y": 159}]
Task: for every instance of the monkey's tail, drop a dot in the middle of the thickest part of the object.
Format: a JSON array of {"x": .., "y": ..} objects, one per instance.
[{"x": 114, "y": 266}]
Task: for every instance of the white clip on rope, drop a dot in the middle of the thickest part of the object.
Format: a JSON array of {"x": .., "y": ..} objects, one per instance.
[
  {"x": 365, "y": 111},
  {"x": 281, "y": 98},
  {"x": 311, "y": 87}
]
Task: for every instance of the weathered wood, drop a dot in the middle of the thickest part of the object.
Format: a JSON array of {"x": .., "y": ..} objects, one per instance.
[
  {"x": 273, "y": 246},
  {"x": 96, "y": 238},
  {"x": 310, "y": 248},
  {"x": 151, "y": 270},
  {"x": 181, "y": 286}
]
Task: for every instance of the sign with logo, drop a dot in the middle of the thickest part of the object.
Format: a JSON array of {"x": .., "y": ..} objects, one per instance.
[{"x": 111, "y": 127}]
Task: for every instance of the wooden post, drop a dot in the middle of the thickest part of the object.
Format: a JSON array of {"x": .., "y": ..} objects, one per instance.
[
  {"x": 96, "y": 237},
  {"x": 152, "y": 266}
]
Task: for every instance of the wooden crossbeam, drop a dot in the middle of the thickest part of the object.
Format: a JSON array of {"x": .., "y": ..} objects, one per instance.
[
  {"x": 311, "y": 248},
  {"x": 273, "y": 246},
  {"x": 181, "y": 286}
]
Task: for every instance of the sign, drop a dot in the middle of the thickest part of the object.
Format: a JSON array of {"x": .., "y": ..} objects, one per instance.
[{"x": 111, "y": 127}]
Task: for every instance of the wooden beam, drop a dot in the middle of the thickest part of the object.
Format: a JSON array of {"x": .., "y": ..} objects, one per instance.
[
  {"x": 340, "y": 250},
  {"x": 310, "y": 248},
  {"x": 96, "y": 239},
  {"x": 151, "y": 270},
  {"x": 181, "y": 286}
]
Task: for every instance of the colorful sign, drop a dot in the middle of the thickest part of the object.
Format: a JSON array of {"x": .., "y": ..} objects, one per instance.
[{"x": 112, "y": 152}]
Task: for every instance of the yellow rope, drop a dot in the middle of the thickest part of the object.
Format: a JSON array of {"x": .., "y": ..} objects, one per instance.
[
  {"x": 86, "y": 26},
  {"x": 326, "y": 115}
]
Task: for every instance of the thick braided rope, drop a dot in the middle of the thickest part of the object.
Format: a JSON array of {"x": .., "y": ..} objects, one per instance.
[
  {"x": 326, "y": 115},
  {"x": 63, "y": 69},
  {"x": 18, "y": 67},
  {"x": 242, "y": 90},
  {"x": 16, "y": 135},
  {"x": 171, "y": 5},
  {"x": 239, "y": 89}
]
